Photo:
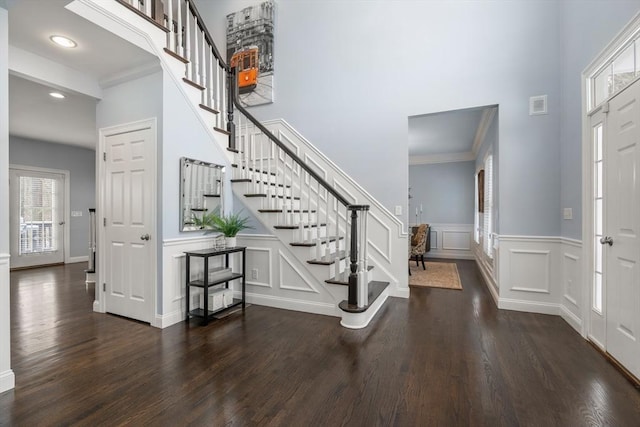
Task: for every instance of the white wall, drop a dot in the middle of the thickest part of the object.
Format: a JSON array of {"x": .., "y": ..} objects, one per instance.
[
  {"x": 81, "y": 164},
  {"x": 7, "y": 378},
  {"x": 348, "y": 73}
]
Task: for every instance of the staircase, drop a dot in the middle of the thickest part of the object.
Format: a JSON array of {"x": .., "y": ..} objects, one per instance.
[{"x": 322, "y": 227}]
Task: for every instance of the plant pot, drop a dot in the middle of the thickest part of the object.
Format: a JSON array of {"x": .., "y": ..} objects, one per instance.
[{"x": 231, "y": 242}]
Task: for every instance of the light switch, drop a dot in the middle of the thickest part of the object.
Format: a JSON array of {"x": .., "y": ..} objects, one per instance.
[
  {"x": 567, "y": 213},
  {"x": 398, "y": 210},
  {"x": 76, "y": 213}
]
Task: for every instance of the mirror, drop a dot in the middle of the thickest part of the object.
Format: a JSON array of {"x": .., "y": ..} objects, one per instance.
[{"x": 200, "y": 189}]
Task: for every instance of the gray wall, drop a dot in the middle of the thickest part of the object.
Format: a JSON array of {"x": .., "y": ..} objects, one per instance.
[
  {"x": 348, "y": 73},
  {"x": 184, "y": 136},
  {"x": 445, "y": 191},
  {"x": 81, "y": 164},
  {"x": 587, "y": 27}
]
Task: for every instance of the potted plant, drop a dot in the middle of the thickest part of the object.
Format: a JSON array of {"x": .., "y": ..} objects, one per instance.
[{"x": 230, "y": 225}]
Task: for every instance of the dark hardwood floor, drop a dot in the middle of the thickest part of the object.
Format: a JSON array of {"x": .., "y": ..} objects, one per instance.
[{"x": 441, "y": 358}]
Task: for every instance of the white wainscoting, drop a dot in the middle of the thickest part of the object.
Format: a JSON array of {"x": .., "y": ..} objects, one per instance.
[
  {"x": 573, "y": 287},
  {"x": 274, "y": 278},
  {"x": 451, "y": 241},
  {"x": 7, "y": 377},
  {"x": 173, "y": 277},
  {"x": 541, "y": 275}
]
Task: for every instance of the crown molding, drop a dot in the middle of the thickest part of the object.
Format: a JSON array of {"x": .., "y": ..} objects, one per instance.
[{"x": 467, "y": 156}]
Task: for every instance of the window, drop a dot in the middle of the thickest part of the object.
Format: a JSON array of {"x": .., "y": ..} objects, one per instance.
[
  {"x": 476, "y": 214},
  {"x": 598, "y": 157},
  {"x": 488, "y": 206},
  {"x": 37, "y": 211},
  {"x": 616, "y": 73}
]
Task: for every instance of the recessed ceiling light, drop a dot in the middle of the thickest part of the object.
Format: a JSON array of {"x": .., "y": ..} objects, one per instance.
[
  {"x": 56, "y": 95},
  {"x": 63, "y": 41}
]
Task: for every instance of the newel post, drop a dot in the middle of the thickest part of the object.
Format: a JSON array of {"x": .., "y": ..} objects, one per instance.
[
  {"x": 352, "y": 298},
  {"x": 232, "y": 86}
]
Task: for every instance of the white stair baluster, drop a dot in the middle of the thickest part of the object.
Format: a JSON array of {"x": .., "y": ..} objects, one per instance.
[
  {"x": 187, "y": 43},
  {"x": 195, "y": 77},
  {"x": 179, "y": 41},
  {"x": 171, "y": 41}
]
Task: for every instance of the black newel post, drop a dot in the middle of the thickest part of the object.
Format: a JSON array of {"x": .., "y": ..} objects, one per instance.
[
  {"x": 353, "y": 277},
  {"x": 231, "y": 96}
]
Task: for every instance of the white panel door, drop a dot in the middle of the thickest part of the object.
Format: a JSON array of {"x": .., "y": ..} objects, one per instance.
[
  {"x": 622, "y": 227},
  {"x": 37, "y": 212},
  {"x": 128, "y": 210}
]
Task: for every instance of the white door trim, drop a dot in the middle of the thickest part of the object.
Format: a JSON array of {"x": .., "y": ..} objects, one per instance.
[
  {"x": 99, "y": 304},
  {"x": 66, "y": 237},
  {"x": 629, "y": 30}
]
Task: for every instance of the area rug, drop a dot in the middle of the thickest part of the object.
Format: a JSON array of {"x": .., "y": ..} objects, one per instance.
[{"x": 437, "y": 275}]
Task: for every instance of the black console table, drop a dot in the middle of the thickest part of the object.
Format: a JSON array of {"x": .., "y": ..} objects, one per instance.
[{"x": 205, "y": 313}]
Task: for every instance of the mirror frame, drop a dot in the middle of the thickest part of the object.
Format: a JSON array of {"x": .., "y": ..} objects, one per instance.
[{"x": 207, "y": 186}]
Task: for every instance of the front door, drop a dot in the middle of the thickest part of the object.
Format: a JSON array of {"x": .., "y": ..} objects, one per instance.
[
  {"x": 621, "y": 240},
  {"x": 37, "y": 216},
  {"x": 128, "y": 217}
]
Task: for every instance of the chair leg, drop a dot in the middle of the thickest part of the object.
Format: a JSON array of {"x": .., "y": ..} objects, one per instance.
[{"x": 422, "y": 258}]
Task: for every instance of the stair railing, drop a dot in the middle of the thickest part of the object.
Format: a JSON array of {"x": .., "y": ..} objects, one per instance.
[{"x": 287, "y": 185}]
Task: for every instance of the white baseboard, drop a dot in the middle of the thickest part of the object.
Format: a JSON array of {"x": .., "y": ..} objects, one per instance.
[
  {"x": 490, "y": 281},
  {"x": 573, "y": 320},
  {"x": 75, "y": 259},
  {"x": 292, "y": 304},
  {"x": 165, "y": 320},
  {"x": 7, "y": 380},
  {"x": 450, "y": 255},
  {"x": 529, "y": 306},
  {"x": 399, "y": 292}
]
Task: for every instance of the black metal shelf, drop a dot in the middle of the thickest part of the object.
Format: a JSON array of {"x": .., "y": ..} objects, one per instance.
[
  {"x": 204, "y": 313},
  {"x": 200, "y": 283}
]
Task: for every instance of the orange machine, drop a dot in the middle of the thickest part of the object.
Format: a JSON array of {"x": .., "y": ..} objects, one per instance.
[{"x": 246, "y": 62}]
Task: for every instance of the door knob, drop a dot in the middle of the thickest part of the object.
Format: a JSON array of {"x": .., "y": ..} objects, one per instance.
[
  {"x": 145, "y": 237},
  {"x": 61, "y": 223},
  {"x": 606, "y": 239}
]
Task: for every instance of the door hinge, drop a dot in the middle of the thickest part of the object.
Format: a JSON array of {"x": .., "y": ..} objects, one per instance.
[
  {"x": 104, "y": 156},
  {"x": 104, "y": 287},
  {"x": 104, "y": 222}
]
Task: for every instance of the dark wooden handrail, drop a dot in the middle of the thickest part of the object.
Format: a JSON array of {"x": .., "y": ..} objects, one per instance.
[{"x": 291, "y": 154}]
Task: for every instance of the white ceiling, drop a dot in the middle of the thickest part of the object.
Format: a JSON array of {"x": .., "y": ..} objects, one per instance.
[
  {"x": 100, "y": 55},
  {"x": 449, "y": 135}
]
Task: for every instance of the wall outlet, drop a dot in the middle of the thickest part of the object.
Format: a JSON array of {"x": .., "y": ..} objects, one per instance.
[
  {"x": 567, "y": 213},
  {"x": 398, "y": 210},
  {"x": 254, "y": 274},
  {"x": 76, "y": 213}
]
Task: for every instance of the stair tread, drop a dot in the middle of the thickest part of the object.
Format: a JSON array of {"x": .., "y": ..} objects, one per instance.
[
  {"x": 375, "y": 290},
  {"x": 296, "y": 227},
  {"x": 226, "y": 132},
  {"x": 192, "y": 83},
  {"x": 343, "y": 278},
  {"x": 176, "y": 56},
  {"x": 311, "y": 243},
  {"x": 280, "y": 211},
  {"x": 255, "y": 195},
  {"x": 264, "y": 182},
  {"x": 209, "y": 109},
  {"x": 329, "y": 259},
  {"x": 233, "y": 150},
  {"x": 234, "y": 165}
]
